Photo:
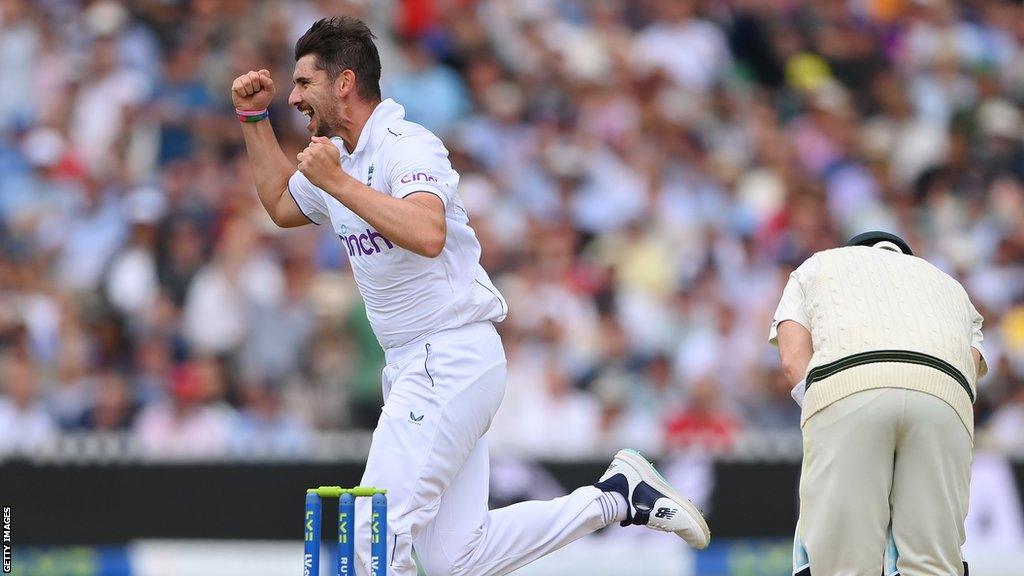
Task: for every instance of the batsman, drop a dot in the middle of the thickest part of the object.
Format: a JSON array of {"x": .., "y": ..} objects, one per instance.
[{"x": 884, "y": 350}]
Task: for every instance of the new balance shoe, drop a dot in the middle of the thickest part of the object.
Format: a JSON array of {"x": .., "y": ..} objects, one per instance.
[{"x": 652, "y": 501}]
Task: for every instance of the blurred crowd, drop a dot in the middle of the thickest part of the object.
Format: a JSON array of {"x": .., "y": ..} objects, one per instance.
[{"x": 643, "y": 176}]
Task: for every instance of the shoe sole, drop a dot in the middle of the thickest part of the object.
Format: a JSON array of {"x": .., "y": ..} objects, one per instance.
[{"x": 650, "y": 474}]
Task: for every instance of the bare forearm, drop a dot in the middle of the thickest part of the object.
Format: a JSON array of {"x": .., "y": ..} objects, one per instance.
[
  {"x": 271, "y": 170},
  {"x": 795, "y": 350},
  {"x": 416, "y": 223},
  {"x": 795, "y": 367}
]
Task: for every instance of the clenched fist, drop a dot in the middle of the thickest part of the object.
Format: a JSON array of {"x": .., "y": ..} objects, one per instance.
[
  {"x": 252, "y": 90},
  {"x": 320, "y": 162}
]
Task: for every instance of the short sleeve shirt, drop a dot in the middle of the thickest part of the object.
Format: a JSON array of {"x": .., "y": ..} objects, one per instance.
[
  {"x": 407, "y": 296},
  {"x": 791, "y": 306}
]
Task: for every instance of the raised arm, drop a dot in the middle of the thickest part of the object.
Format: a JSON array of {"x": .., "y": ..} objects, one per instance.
[
  {"x": 415, "y": 222},
  {"x": 271, "y": 169}
]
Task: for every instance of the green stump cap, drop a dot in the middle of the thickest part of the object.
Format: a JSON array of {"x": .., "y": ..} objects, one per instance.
[{"x": 337, "y": 491}]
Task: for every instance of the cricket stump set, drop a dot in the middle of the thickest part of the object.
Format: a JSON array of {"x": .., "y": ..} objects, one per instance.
[{"x": 345, "y": 558}]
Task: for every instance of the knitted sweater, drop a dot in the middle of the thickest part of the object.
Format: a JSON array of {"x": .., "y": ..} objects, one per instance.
[{"x": 881, "y": 319}]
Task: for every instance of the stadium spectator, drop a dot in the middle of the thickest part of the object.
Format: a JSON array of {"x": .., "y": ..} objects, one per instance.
[
  {"x": 112, "y": 409},
  {"x": 25, "y": 424},
  {"x": 266, "y": 427},
  {"x": 193, "y": 422}
]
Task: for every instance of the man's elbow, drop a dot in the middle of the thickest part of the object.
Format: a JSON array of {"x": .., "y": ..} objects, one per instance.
[
  {"x": 283, "y": 221},
  {"x": 276, "y": 219},
  {"x": 433, "y": 246},
  {"x": 284, "y": 212},
  {"x": 791, "y": 373},
  {"x": 792, "y": 368},
  {"x": 432, "y": 243}
]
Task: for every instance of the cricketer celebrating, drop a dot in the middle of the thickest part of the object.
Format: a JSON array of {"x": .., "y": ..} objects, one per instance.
[
  {"x": 387, "y": 188},
  {"x": 885, "y": 351}
]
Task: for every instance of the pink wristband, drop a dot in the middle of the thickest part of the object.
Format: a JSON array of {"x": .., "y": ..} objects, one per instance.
[{"x": 249, "y": 116}]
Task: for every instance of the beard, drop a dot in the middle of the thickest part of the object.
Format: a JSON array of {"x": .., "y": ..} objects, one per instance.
[
  {"x": 327, "y": 123},
  {"x": 324, "y": 129}
]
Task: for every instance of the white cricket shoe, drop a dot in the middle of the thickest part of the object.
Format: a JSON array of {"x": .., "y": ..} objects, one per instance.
[{"x": 652, "y": 501}]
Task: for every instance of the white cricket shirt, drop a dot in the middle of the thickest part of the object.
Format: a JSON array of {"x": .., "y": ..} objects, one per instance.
[{"x": 407, "y": 296}]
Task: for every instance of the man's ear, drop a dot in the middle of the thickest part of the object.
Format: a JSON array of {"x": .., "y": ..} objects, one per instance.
[{"x": 346, "y": 83}]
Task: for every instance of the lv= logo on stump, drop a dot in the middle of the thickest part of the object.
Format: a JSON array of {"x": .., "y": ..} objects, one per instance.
[{"x": 345, "y": 557}]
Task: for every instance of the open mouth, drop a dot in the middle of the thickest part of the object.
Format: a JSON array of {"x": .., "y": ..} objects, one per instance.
[{"x": 308, "y": 112}]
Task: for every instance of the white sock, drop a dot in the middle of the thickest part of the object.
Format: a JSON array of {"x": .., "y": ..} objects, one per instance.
[{"x": 613, "y": 507}]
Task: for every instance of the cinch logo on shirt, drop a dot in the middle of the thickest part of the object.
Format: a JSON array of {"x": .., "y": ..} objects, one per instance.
[
  {"x": 366, "y": 244},
  {"x": 418, "y": 177}
]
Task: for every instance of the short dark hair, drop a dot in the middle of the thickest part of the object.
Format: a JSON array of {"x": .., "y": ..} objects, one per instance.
[{"x": 341, "y": 43}]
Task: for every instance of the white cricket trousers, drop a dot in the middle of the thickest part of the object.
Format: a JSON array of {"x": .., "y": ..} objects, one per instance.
[
  {"x": 880, "y": 460},
  {"x": 430, "y": 453}
]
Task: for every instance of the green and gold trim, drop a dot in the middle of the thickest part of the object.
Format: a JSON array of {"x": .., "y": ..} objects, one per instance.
[{"x": 906, "y": 356}]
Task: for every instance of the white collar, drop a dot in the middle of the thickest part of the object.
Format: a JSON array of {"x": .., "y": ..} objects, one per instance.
[{"x": 386, "y": 112}]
